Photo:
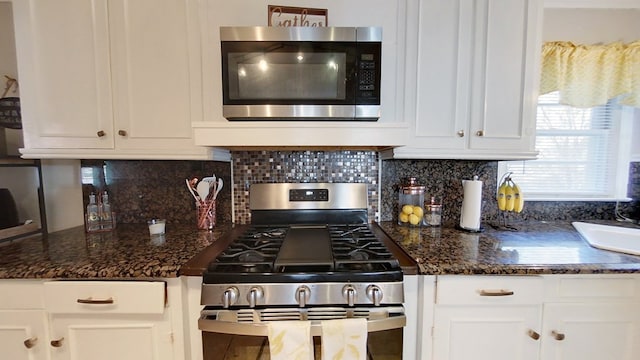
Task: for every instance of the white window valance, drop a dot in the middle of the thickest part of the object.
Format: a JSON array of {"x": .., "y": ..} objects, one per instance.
[{"x": 590, "y": 75}]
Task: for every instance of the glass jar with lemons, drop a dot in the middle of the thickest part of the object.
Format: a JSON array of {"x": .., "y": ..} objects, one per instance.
[{"x": 410, "y": 203}]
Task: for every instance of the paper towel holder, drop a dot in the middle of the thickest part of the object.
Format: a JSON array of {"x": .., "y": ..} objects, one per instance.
[{"x": 473, "y": 207}]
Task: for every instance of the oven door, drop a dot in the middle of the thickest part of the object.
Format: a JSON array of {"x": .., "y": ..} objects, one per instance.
[
  {"x": 297, "y": 80},
  {"x": 241, "y": 334}
]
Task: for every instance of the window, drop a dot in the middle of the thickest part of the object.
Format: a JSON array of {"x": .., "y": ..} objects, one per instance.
[{"x": 583, "y": 153}]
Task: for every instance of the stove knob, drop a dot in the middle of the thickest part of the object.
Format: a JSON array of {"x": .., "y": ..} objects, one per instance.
[
  {"x": 229, "y": 297},
  {"x": 303, "y": 293},
  {"x": 254, "y": 295},
  {"x": 374, "y": 293},
  {"x": 349, "y": 293}
]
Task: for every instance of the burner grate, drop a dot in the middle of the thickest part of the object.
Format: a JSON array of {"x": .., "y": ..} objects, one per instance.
[{"x": 350, "y": 249}]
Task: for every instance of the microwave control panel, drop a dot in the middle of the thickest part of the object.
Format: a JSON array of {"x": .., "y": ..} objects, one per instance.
[{"x": 368, "y": 88}]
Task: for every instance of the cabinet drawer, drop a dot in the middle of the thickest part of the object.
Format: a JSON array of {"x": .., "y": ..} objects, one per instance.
[
  {"x": 622, "y": 287},
  {"x": 112, "y": 297},
  {"x": 489, "y": 290},
  {"x": 21, "y": 294}
]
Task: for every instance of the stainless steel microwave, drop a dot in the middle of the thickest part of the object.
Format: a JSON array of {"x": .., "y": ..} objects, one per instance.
[{"x": 301, "y": 73}]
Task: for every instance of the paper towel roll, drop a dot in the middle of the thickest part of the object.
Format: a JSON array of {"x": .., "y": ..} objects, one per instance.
[{"x": 471, "y": 205}]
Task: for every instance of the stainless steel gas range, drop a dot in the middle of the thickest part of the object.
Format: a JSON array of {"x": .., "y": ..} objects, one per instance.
[{"x": 310, "y": 253}]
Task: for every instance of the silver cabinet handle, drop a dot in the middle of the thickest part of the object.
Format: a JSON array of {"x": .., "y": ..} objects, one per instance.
[
  {"x": 101, "y": 133},
  {"x": 122, "y": 132},
  {"x": 479, "y": 133},
  {"x": 31, "y": 342},
  {"x": 534, "y": 335},
  {"x": 92, "y": 301},
  {"x": 460, "y": 133},
  {"x": 500, "y": 292}
]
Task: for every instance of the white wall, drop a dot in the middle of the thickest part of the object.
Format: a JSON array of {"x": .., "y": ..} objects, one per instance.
[
  {"x": 591, "y": 26},
  {"x": 8, "y": 65},
  {"x": 63, "y": 194}
]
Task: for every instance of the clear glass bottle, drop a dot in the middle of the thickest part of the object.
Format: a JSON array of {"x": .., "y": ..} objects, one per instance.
[
  {"x": 93, "y": 215},
  {"x": 105, "y": 213},
  {"x": 410, "y": 203}
]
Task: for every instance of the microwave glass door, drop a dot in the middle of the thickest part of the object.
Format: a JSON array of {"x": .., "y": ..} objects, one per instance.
[{"x": 288, "y": 73}]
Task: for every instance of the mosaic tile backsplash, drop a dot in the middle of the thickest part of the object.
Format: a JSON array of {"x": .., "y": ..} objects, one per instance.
[
  {"x": 250, "y": 167},
  {"x": 140, "y": 190}
]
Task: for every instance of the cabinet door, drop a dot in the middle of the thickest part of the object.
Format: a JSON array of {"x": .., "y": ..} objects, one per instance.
[
  {"x": 486, "y": 332},
  {"x": 476, "y": 88},
  {"x": 108, "y": 337},
  {"x": 155, "y": 83},
  {"x": 591, "y": 331},
  {"x": 506, "y": 53},
  {"x": 442, "y": 73},
  {"x": 23, "y": 335},
  {"x": 65, "y": 87}
]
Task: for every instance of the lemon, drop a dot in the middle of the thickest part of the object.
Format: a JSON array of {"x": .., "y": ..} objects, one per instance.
[
  {"x": 414, "y": 219},
  {"x": 418, "y": 211},
  {"x": 407, "y": 209},
  {"x": 403, "y": 217}
]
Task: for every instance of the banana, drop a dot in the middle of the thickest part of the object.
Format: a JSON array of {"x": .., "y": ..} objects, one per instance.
[
  {"x": 509, "y": 198},
  {"x": 519, "y": 198},
  {"x": 502, "y": 196}
]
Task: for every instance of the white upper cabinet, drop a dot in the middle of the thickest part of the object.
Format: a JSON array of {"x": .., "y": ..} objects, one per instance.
[
  {"x": 389, "y": 130},
  {"x": 476, "y": 79},
  {"x": 109, "y": 78}
]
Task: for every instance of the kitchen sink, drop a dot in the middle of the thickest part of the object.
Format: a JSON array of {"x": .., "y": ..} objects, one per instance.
[{"x": 614, "y": 238}]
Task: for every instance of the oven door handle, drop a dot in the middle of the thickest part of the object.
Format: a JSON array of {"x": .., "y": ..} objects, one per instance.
[{"x": 262, "y": 328}]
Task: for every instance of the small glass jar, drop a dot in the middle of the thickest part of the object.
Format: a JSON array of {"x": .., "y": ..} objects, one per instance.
[
  {"x": 410, "y": 204},
  {"x": 433, "y": 212}
]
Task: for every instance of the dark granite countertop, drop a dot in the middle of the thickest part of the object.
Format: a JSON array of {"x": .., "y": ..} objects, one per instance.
[
  {"x": 538, "y": 247},
  {"x": 126, "y": 252}
]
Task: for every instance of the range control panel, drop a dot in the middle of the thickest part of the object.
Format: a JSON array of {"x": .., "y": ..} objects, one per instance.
[{"x": 309, "y": 195}]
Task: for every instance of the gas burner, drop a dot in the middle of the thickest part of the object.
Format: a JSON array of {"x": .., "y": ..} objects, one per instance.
[
  {"x": 359, "y": 255},
  {"x": 250, "y": 256},
  {"x": 277, "y": 233}
]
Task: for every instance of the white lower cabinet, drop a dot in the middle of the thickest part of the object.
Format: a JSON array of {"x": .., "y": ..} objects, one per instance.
[
  {"x": 23, "y": 322},
  {"x": 104, "y": 320},
  {"x": 591, "y": 317},
  {"x": 487, "y": 318},
  {"x": 537, "y": 317},
  {"x": 97, "y": 320},
  {"x": 23, "y": 334},
  {"x": 591, "y": 331}
]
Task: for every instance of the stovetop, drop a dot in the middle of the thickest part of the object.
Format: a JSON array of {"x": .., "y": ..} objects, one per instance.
[{"x": 305, "y": 253}]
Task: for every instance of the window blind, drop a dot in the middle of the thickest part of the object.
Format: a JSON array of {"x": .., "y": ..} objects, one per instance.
[{"x": 578, "y": 150}]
